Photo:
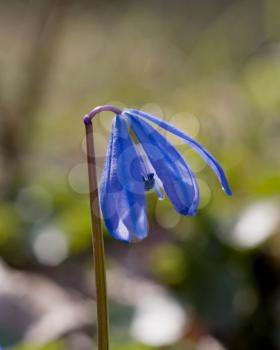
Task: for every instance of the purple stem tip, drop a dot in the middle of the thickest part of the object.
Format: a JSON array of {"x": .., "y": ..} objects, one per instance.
[{"x": 96, "y": 110}]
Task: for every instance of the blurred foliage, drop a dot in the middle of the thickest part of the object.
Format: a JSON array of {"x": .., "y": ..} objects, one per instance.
[{"x": 217, "y": 61}]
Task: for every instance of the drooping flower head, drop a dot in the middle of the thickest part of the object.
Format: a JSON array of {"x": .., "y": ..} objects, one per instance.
[{"x": 140, "y": 159}]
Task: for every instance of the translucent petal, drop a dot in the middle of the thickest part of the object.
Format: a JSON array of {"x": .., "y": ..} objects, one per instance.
[
  {"x": 177, "y": 178},
  {"x": 148, "y": 169},
  {"x": 122, "y": 194},
  {"x": 207, "y": 156}
]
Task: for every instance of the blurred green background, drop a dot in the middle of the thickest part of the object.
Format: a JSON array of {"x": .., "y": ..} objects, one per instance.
[{"x": 212, "y": 68}]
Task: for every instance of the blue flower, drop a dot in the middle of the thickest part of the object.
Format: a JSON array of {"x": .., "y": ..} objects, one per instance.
[{"x": 140, "y": 159}]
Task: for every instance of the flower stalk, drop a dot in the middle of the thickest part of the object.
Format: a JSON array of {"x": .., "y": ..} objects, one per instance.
[{"x": 97, "y": 236}]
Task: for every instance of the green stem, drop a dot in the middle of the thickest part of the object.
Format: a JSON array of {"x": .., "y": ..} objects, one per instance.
[{"x": 98, "y": 244}]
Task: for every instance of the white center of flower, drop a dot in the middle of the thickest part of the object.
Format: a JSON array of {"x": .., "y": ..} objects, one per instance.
[{"x": 151, "y": 181}]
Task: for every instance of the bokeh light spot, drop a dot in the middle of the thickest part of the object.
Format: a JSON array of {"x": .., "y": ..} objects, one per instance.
[
  {"x": 50, "y": 246},
  {"x": 100, "y": 144},
  {"x": 209, "y": 343},
  {"x": 154, "y": 109},
  {"x": 166, "y": 215},
  {"x": 257, "y": 223},
  {"x": 107, "y": 117},
  {"x": 159, "y": 320},
  {"x": 205, "y": 193},
  {"x": 196, "y": 163},
  {"x": 187, "y": 123},
  {"x": 78, "y": 179}
]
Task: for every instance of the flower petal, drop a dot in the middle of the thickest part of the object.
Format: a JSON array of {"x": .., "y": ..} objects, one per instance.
[
  {"x": 207, "y": 156},
  {"x": 177, "y": 178},
  {"x": 122, "y": 194}
]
